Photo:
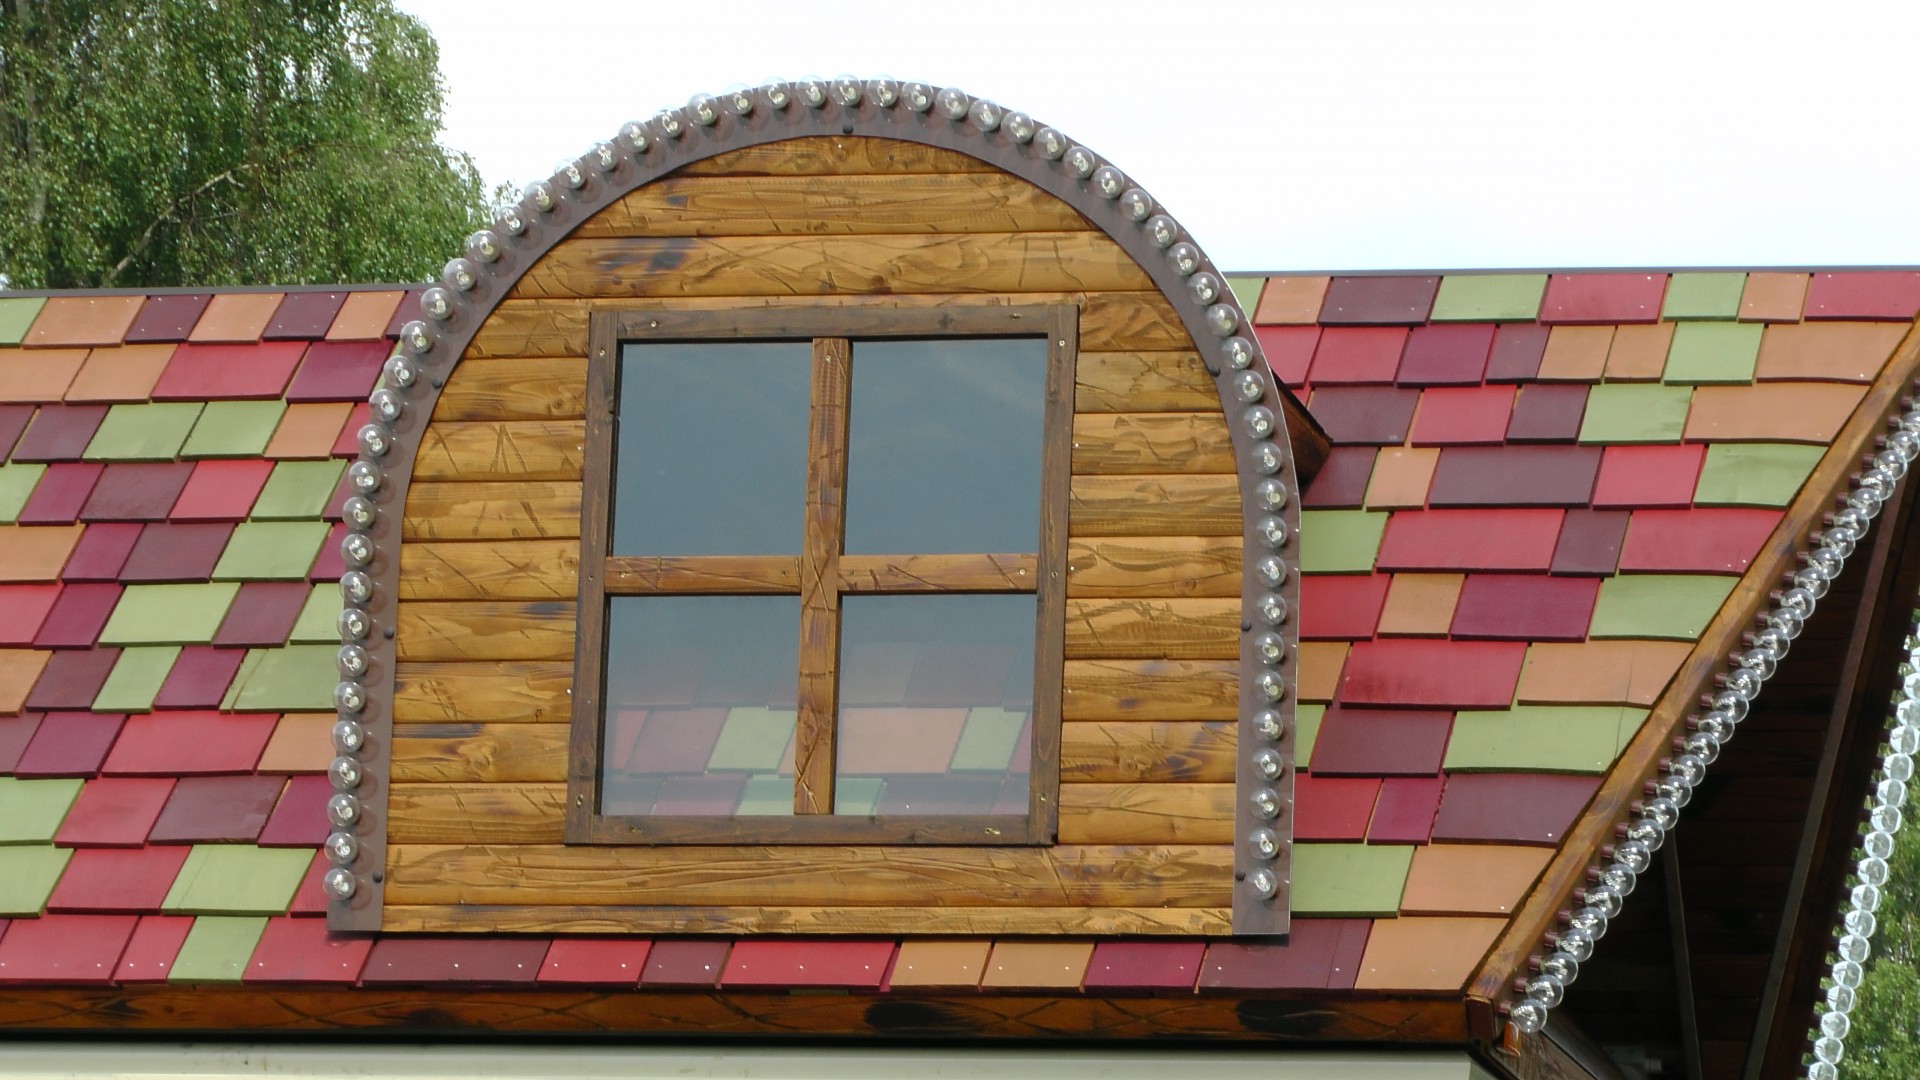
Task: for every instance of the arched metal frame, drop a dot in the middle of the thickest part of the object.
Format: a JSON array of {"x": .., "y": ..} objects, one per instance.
[{"x": 495, "y": 260}]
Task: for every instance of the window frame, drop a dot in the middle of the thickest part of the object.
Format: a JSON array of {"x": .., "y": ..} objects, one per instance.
[{"x": 820, "y": 575}]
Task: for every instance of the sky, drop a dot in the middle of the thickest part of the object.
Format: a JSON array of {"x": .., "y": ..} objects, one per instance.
[{"x": 1313, "y": 136}]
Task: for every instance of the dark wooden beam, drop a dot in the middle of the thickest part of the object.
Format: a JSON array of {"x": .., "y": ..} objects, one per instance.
[{"x": 1682, "y": 957}]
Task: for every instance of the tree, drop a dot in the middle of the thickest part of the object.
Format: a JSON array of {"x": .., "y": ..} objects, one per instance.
[{"x": 206, "y": 142}]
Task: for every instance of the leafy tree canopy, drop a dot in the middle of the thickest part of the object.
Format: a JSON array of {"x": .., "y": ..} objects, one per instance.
[{"x": 209, "y": 142}]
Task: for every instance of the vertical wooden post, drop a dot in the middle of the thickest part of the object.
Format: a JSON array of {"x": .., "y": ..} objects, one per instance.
[{"x": 820, "y": 576}]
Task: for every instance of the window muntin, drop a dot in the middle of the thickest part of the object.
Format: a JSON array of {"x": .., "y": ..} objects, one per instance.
[{"x": 954, "y": 421}]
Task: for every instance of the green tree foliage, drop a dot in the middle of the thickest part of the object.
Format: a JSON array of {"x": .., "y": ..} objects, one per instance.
[{"x": 210, "y": 142}]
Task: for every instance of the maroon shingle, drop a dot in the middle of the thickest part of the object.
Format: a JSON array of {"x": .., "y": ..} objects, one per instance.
[
  {"x": 465, "y": 958},
  {"x": 1365, "y": 415},
  {"x": 1405, "y": 810},
  {"x": 217, "y": 809},
  {"x": 300, "y": 817},
  {"x": 1447, "y": 354},
  {"x": 136, "y": 491},
  {"x": 1892, "y": 294},
  {"x": 1525, "y": 607},
  {"x": 1333, "y": 808},
  {"x": 329, "y": 564},
  {"x": 130, "y": 880},
  {"x": 301, "y": 950},
  {"x": 1589, "y": 542},
  {"x": 1514, "y": 476},
  {"x": 114, "y": 812},
  {"x": 78, "y": 616},
  {"x": 15, "y": 733},
  {"x": 1517, "y": 351},
  {"x": 1603, "y": 298},
  {"x": 1463, "y": 415},
  {"x": 856, "y": 964},
  {"x": 199, "y": 678},
  {"x": 101, "y": 552},
  {"x": 338, "y": 371},
  {"x": 176, "y": 552},
  {"x": 406, "y": 311},
  {"x": 61, "y": 492},
  {"x": 304, "y": 315},
  {"x": 59, "y": 433},
  {"x": 1335, "y": 607},
  {"x": 595, "y": 961},
  {"x": 1289, "y": 350},
  {"x": 1379, "y": 300},
  {"x": 685, "y": 963},
  {"x": 1341, "y": 483},
  {"x": 72, "y": 678},
  {"x": 1380, "y": 742},
  {"x": 263, "y": 613},
  {"x": 347, "y": 443},
  {"x": 1320, "y": 954},
  {"x": 1145, "y": 965},
  {"x": 83, "y": 949},
  {"x": 13, "y": 421},
  {"x": 1513, "y": 808},
  {"x": 1547, "y": 412},
  {"x": 69, "y": 744},
  {"x": 190, "y": 744},
  {"x": 23, "y": 608},
  {"x": 168, "y": 318},
  {"x": 1505, "y": 539},
  {"x": 1418, "y": 672}
]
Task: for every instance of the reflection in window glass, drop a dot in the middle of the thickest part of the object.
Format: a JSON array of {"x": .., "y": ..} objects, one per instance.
[
  {"x": 936, "y": 703},
  {"x": 700, "y": 705},
  {"x": 711, "y": 449},
  {"x": 944, "y": 445}
]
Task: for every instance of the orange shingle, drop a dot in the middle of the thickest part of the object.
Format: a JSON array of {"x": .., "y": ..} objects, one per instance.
[
  {"x": 1576, "y": 354},
  {"x": 1827, "y": 351},
  {"x": 19, "y": 670},
  {"x": 1291, "y": 300},
  {"x": 36, "y": 552},
  {"x": 67, "y": 321},
  {"x": 364, "y": 316},
  {"x": 1424, "y": 954},
  {"x": 1619, "y": 672},
  {"x": 940, "y": 963},
  {"x": 236, "y": 317},
  {"x": 1471, "y": 879},
  {"x": 1771, "y": 412},
  {"x": 1639, "y": 352},
  {"x": 1320, "y": 664},
  {"x": 38, "y": 374},
  {"x": 1773, "y": 297},
  {"x": 301, "y": 743},
  {"x": 1058, "y": 964},
  {"x": 122, "y": 373},
  {"x": 1401, "y": 476},
  {"x": 1420, "y": 605},
  {"x": 308, "y": 430}
]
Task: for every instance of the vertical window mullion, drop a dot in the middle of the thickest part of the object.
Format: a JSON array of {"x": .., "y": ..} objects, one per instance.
[{"x": 820, "y": 576}]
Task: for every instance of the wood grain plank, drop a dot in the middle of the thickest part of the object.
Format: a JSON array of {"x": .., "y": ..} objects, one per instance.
[
  {"x": 1196, "y": 505},
  {"x": 1154, "y": 566},
  {"x": 522, "y": 693},
  {"x": 490, "y": 570},
  {"x": 783, "y": 919},
  {"x": 501, "y": 450},
  {"x": 789, "y": 266},
  {"x": 1114, "y": 382},
  {"x": 841, "y": 205},
  {"x": 1153, "y": 629},
  {"x": 824, "y": 535},
  {"x": 506, "y": 813},
  {"x": 834, "y": 155},
  {"x": 1134, "y": 752},
  {"x": 938, "y": 573},
  {"x": 703, "y": 574},
  {"x": 515, "y": 388},
  {"x": 1146, "y": 813},
  {"x": 1151, "y": 690},
  {"x": 1109, "y": 321},
  {"x": 484, "y": 630},
  {"x": 491, "y": 511},
  {"x": 1107, "y": 444},
  {"x": 866, "y": 875},
  {"x": 479, "y": 753}
]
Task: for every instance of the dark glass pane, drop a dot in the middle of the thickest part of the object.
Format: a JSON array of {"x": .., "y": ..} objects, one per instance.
[
  {"x": 711, "y": 448},
  {"x": 936, "y": 704},
  {"x": 700, "y": 705},
  {"x": 944, "y": 446}
]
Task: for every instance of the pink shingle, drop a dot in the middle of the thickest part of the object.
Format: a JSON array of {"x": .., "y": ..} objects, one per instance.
[
  {"x": 1341, "y": 606},
  {"x": 1358, "y": 355},
  {"x": 1635, "y": 476},
  {"x": 853, "y": 964},
  {"x": 1447, "y": 354},
  {"x": 1503, "y": 539},
  {"x": 1463, "y": 415},
  {"x": 1603, "y": 298},
  {"x": 190, "y": 744}
]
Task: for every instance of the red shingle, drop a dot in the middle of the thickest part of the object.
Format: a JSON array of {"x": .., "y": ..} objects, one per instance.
[
  {"x": 595, "y": 962},
  {"x": 1405, "y": 810},
  {"x": 1319, "y": 954},
  {"x": 1632, "y": 476},
  {"x": 82, "y": 949},
  {"x": 1506, "y": 539},
  {"x": 1289, "y": 350},
  {"x": 857, "y": 965},
  {"x": 465, "y": 958},
  {"x": 311, "y": 897},
  {"x": 1358, "y": 356},
  {"x": 1447, "y": 354},
  {"x": 22, "y": 609},
  {"x": 1145, "y": 965},
  {"x": 221, "y": 490},
  {"x": 1341, "y": 606},
  {"x": 1463, "y": 415},
  {"x": 1603, "y": 298},
  {"x": 300, "y": 817},
  {"x": 338, "y": 371},
  {"x": 69, "y": 744},
  {"x": 1380, "y": 742},
  {"x": 1695, "y": 541},
  {"x": 114, "y": 812},
  {"x": 204, "y": 372},
  {"x": 1514, "y": 476},
  {"x": 1365, "y": 415},
  {"x": 1590, "y": 542},
  {"x": 1379, "y": 300},
  {"x": 131, "y": 880},
  {"x": 190, "y": 744},
  {"x": 301, "y": 950},
  {"x": 1525, "y": 607},
  {"x": 199, "y": 678},
  {"x": 1423, "y": 673},
  {"x": 150, "y": 953},
  {"x": 1891, "y": 294},
  {"x": 1330, "y": 808},
  {"x": 1517, "y": 808},
  {"x": 61, "y": 492},
  {"x": 329, "y": 564}
]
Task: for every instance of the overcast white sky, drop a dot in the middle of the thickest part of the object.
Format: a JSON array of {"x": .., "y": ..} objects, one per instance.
[{"x": 1450, "y": 134}]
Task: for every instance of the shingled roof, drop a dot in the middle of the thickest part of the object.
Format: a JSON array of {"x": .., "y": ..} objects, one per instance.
[{"x": 1542, "y": 489}]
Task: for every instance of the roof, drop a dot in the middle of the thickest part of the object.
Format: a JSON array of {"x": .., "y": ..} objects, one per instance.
[{"x": 1543, "y": 487}]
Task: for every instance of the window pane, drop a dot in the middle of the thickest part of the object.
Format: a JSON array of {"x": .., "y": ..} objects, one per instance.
[
  {"x": 711, "y": 448},
  {"x": 944, "y": 446},
  {"x": 700, "y": 705},
  {"x": 936, "y": 703}
]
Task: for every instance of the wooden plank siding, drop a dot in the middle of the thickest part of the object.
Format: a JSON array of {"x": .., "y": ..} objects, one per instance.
[{"x": 490, "y": 564}]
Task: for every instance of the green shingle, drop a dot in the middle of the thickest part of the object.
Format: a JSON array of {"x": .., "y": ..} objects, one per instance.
[
  {"x": 856, "y": 794},
  {"x": 1339, "y": 541},
  {"x": 1349, "y": 879},
  {"x": 1704, "y": 296},
  {"x": 31, "y": 810},
  {"x": 1755, "y": 474},
  {"x": 298, "y": 678},
  {"x": 1673, "y": 607},
  {"x": 1635, "y": 413},
  {"x": 1306, "y": 729},
  {"x": 151, "y": 432},
  {"x": 16, "y": 487},
  {"x": 27, "y": 877},
  {"x": 767, "y": 796},
  {"x": 298, "y": 490},
  {"x": 989, "y": 740},
  {"x": 753, "y": 738},
  {"x": 234, "y": 429},
  {"x": 1713, "y": 352},
  {"x": 237, "y": 879},
  {"x": 319, "y": 621},
  {"x": 217, "y": 949},
  {"x": 169, "y": 614},
  {"x": 1246, "y": 289},
  {"x": 1489, "y": 297},
  {"x": 16, "y": 317},
  {"x": 271, "y": 551},
  {"x": 1539, "y": 738},
  {"x": 136, "y": 679}
]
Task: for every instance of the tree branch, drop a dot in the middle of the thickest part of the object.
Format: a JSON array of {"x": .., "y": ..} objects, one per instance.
[{"x": 170, "y": 214}]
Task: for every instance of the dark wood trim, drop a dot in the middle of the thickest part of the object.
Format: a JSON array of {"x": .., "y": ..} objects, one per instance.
[
  {"x": 861, "y": 321},
  {"x": 1049, "y": 654},
  {"x": 814, "y": 827},
  {"x": 589, "y": 656},
  {"x": 938, "y": 573},
  {"x": 1856, "y": 727},
  {"x": 736, "y": 575},
  {"x": 815, "y": 738},
  {"x": 1682, "y": 956}
]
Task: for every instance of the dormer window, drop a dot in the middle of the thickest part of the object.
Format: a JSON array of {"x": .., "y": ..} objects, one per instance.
[{"x": 822, "y": 576}]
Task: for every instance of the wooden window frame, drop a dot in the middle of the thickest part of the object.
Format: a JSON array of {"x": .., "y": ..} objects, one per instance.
[{"x": 822, "y": 574}]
